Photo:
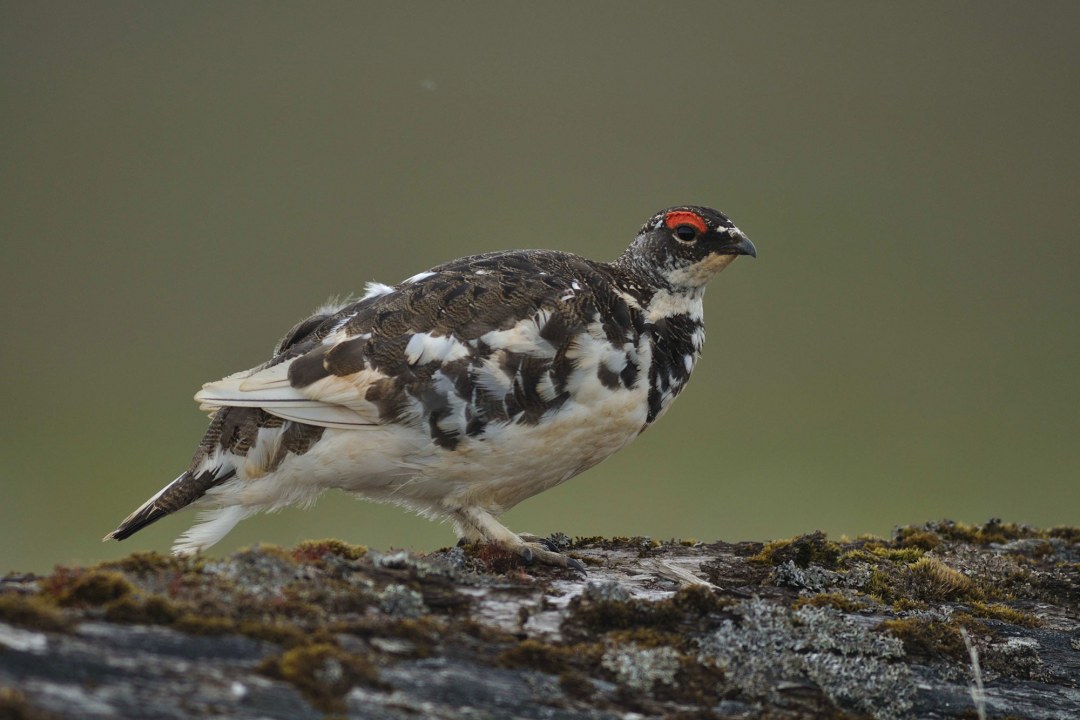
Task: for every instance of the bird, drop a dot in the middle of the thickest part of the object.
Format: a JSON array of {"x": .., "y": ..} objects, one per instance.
[{"x": 462, "y": 390}]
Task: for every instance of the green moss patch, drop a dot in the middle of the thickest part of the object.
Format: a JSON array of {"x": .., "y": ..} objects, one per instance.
[
  {"x": 998, "y": 611},
  {"x": 835, "y": 600},
  {"x": 684, "y": 608},
  {"x": 804, "y": 550},
  {"x": 150, "y": 563},
  {"x": 93, "y": 587},
  {"x": 32, "y": 613},
  {"x": 550, "y": 658},
  {"x": 927, "y": 579},
  {"x": 324, "y": 673},
  {"x": 195, "y": 624},
  {"x": 930, "y": 639},
  {"x": 133, "y": 609},
  {"x": 312, "y": 551}
]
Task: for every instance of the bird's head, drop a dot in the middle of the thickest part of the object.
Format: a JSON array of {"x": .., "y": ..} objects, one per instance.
[{"x": 686, "y": 246}]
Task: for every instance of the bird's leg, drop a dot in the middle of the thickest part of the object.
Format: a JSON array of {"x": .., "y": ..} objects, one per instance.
[{"x": 474, "y": 521}]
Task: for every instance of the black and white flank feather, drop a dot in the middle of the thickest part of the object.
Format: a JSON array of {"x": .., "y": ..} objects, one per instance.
[{"x": 462, "y": 390}]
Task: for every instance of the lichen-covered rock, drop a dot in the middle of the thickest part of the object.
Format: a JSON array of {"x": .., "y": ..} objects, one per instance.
[
  {"x": 768, "y": 649},
  {"x": 798, "y": 628}
]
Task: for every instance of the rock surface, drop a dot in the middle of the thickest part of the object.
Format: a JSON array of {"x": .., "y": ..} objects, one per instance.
[{"x": 801, "y": 628}]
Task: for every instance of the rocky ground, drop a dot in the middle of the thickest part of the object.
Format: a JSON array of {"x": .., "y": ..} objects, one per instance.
[{"x": 809, "y": 627}]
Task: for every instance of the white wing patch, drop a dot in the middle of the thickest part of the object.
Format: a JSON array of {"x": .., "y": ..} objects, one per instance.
[
  {"x": 425, "y": 348},
  {"x": 333, "y": 402},
  {"x": 523, "y": 338}
]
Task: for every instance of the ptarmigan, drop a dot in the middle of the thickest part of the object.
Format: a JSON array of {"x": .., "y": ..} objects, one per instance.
[{"x": 463, "y": 390}]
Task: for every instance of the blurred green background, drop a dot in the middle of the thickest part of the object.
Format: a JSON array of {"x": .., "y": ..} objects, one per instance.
[{"x": 183, "y": 181}]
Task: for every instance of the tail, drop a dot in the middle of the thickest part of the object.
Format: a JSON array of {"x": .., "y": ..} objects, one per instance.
[{"x": 178, "y": 494}]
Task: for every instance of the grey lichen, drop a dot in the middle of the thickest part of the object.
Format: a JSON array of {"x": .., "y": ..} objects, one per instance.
[
  {"x": 262, "y": 572},
  {"x": 400, "y": 601},
  {"x": 609, "y": 591},
  {"x": 641, "y": 668},
  {"x": 816, "y": 578},
  {"x": 856, "y": 669}
]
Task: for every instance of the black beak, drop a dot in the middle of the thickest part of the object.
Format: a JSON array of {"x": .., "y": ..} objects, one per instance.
[{"x": 739, "y": 244}]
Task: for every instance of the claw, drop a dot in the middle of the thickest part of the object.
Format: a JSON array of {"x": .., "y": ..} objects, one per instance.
[{"x": 539, "y": 553}]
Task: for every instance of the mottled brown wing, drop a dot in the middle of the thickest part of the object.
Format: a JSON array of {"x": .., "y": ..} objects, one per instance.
[{"x": 351, "y": 369}]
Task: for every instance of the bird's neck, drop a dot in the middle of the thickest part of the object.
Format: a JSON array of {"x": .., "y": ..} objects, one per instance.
[{"x": 676, "y": 327}]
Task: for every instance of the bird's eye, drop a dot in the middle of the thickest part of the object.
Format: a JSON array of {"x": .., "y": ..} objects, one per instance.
[{"x": 686, "y": 233}]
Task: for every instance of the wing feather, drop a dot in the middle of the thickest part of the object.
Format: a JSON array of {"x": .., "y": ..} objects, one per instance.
[
  {"x": 331, "y": 402},
  {"x": 323, "y": 415},
  {"x": 390, "y": 343}
]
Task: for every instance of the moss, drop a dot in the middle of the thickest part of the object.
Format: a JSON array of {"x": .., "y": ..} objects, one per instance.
[
  {"x": 645, "y": 638},
  {"x": 909, "y": 537},
  {"x": 699, "y": 600},
  {"x": 147, "y": 563},
  {"x": 549, "y": 658},
  {"x": 279, "y": 633},
  {"x": 496, "y": 559},
  {"x": 14, "y": 705},
  {"x": 877, "y": 553},
  {"x": 152, "y": 610},
  {"x": 296, "y": 604},
  {"x": 934, "y": 580},
  {"x": 831, "y": 599},
  {"x": 927, "y": 579},
  {"x": 605, "y": 615},
  {"x": 577, "y": 686},
  {"x": 997, "y": 611},
  {"x": 424, "y": 629},
  {"x": 316, "y": 550},
  {"x": 697, "y": 683},
  {"x": 424, "y": 634},
  {"x": 898, "y": 555},
  {"x": 638, "y": 543},
  {"x": 323, "y": 672},
  {"x": 195, "y": 624},
  {"x": 33, "y": 613},
  {"x": 927, "y": 638},
  {"x": 880, "y": 586},
  {"x": 484, "y": 632},
  {"x": 596, "y": 615},
  {"x": 804, "y": 550},
  {"x": 1066, "y": 533},
  {"x": 909, "y": 605},
  {"x": 991, "y": 532},
  {"x": 94, "y": 587}
]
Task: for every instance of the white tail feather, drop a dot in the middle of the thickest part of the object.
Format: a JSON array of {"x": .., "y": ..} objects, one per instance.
[{"x": 212, "y": 526}]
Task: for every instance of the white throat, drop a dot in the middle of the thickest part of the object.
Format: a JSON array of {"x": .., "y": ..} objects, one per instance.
[{"x": 701, "y": 272}]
